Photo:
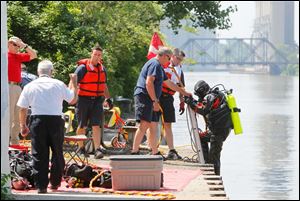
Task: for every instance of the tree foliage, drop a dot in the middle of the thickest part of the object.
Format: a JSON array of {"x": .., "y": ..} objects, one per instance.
[
  {"x": 206, "y": 14},
  {"x": 65, "y": 31},
  {"x": 291, "y": 52}
]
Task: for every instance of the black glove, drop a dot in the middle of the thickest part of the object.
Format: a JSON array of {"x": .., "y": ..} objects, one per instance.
[
  {"x": 110, "y": 103},
  {"x": 188, "y": 100}
]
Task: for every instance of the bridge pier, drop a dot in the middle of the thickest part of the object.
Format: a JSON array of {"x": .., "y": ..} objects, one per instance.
[{"x": 274, "y": 69}]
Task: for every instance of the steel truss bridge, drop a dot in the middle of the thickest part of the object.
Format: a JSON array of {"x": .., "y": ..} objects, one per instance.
[{"x": 234, "y": 51}]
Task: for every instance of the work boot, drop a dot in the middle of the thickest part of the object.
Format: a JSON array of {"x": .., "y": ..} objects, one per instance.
[
  {"x": 54, "y": 187},
  {"x": 42, "y": 190},
  {"x": 135, "y": 153},
  {"x": 173, "y": 155},
  {"x": 160, "y": 154}
]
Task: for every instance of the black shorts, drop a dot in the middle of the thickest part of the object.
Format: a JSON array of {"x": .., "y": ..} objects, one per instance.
[
  {"x": 167, "y": 104},
  {"x": 144, "y": 109},
  {"x": 89, "y": 109}
]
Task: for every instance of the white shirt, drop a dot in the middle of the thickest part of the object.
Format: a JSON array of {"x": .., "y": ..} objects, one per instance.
[{"x": 45, "y": 95}]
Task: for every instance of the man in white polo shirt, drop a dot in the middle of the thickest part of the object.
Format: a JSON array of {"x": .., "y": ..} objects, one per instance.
[{"x": 45, "y": 96}]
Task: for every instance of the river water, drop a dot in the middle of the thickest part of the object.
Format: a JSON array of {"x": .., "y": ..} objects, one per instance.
[{"x": 263, "y": 162}]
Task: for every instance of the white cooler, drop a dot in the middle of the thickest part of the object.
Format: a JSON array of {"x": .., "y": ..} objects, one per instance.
[{"x": 136, "y": 172}]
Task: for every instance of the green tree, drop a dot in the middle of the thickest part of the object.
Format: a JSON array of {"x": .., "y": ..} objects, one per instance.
[
  {"x": 292, "y": 55},
  {"x": 65, "y": 32},
  {"x": 206, "y": 14},
  {"x": 5, "y": 190}
]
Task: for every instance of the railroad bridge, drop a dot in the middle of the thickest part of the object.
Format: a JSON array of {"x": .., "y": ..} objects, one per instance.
[{"x": 243, "y": 52}]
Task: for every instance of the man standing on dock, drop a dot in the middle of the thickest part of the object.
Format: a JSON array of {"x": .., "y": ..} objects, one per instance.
[{"x": 146, "y": 95}]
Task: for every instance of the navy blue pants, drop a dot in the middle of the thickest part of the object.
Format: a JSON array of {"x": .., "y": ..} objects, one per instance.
[{"x": 47, "y": 132}]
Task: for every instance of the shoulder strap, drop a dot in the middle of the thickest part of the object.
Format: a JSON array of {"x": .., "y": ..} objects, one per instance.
[{"x": 178, "y": 77}]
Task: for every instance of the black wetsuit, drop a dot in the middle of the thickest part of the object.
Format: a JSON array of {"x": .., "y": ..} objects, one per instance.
[{"x": 216, "y": 113}]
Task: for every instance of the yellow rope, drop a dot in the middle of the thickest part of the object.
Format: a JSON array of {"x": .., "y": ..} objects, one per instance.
[
  {"x": 164, "y": 196},
  {"x": 163, "y": 126}
]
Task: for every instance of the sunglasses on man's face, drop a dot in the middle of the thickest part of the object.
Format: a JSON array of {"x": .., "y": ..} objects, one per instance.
[
  {"x": 169, "y": 58},
  {"x": 179, "y": 59},
  {"x": 14, "y": 44}
]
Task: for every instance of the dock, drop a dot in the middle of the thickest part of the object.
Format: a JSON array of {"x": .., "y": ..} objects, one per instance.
[{"x": 204, "y": 186}]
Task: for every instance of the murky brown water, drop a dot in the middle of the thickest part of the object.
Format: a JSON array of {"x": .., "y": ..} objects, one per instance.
[{"x": 263, "y": 162}]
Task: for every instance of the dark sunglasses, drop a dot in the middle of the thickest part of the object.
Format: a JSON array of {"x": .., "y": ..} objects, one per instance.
[
  {"x": 169, "y": 58},
  {"x": 179, "y": 59},
  {"x": 14, "y": 44}
]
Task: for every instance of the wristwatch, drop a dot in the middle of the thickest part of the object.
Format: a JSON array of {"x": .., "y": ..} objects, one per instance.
[{"x": 155, "y": 101}]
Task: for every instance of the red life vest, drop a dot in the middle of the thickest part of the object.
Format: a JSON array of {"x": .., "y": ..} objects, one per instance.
[
  {"x": 94, "y": 81},
  {"x": 165, "y": 88}
]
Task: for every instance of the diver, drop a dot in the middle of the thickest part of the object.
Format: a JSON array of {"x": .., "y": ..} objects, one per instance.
[{"x": 213, "y": 107}]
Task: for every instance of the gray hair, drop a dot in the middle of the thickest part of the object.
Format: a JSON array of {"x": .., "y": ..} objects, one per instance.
[
  {"x": 164, "y": 51},
  {"x": 45, "y": 67},
  {"x": 179, "y": 53}
]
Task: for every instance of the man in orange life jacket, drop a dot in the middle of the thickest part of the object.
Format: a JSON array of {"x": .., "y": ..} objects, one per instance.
[
  {"x": 213, "y": 107},
  {"x": 175, "y": 74},
  {"x": 92, "y": 91}
]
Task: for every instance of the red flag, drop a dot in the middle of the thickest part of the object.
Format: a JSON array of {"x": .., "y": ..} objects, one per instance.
[{"x": 155, "y": 44}]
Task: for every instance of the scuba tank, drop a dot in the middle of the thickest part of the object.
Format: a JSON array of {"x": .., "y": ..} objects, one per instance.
[
  {"x": 237, "y": 126},
  {"x": 234, "y": 111}
]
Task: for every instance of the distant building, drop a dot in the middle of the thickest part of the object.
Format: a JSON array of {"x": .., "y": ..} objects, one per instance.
[{"x": 275, "y": 21}]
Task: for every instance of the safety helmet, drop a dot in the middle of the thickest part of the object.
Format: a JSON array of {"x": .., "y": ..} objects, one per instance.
[
  {"x": 19, "y": 183},
  {"x": 201, "y": 88}
]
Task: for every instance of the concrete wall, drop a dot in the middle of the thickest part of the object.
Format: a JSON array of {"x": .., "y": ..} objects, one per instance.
[{"x": 4, "y": 92}]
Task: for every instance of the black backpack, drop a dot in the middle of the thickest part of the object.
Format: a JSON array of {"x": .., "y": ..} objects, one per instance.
[
  {"x": 85, "y": 173},
  {"x": 21, "y": 167}
]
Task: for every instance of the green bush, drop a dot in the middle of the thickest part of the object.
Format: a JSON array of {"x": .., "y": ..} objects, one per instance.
[{"x": 5, "y": 190}]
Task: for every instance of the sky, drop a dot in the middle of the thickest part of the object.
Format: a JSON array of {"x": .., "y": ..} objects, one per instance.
[{"x": 243, "y": 20}]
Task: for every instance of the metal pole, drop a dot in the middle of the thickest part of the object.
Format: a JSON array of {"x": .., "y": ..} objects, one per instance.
[
  {"x": 5, "y": 130},
  {"x": 101, "y": 129},
  {"x": 195, "y": 132}
]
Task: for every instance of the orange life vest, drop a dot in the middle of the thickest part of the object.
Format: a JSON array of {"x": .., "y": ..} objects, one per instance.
[
  {"x": 170, "y": 74},
  {"x": 94, "y": 81},
  {"x": 165, "y": 88}
]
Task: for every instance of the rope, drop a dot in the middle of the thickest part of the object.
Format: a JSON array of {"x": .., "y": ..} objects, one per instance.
[
  {"x": 164, "y": 196},
  {"x": 193, "y": 159},
  {"x": 163, "y": 126}
]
